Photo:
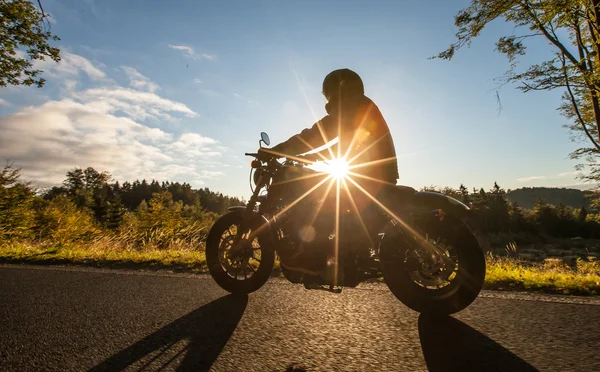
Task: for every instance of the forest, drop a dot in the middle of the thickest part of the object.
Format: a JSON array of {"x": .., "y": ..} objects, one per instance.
[
  {"x": 89, "y": 206},
  {"x": 164, "y": 215}
]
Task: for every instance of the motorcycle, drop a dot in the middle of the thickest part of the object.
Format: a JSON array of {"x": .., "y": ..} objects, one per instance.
[{"x": 421, "y": 243}]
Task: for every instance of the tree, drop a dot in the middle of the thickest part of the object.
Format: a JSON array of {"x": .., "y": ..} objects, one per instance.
[
  {"x": 582, "y": 215},
  {"x": 498, "y": 209},
  {"x": 23, "y": 29},
  {"x": 464, "y": 193},
  {"x": 115, "y": 212},
  {"x": 517, "y": 220},
  {"x": 15, "y": 204},
  {"x": 574, "y": 67}
]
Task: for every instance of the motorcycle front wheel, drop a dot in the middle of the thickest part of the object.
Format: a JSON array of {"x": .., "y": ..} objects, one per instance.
[
  {"x": 436, "y": 268},
  {"x": 249, "y": 267}
]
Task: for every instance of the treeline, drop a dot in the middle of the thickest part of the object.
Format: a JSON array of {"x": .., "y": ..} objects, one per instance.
[
  {"x": 494, "y": 214},
  {"x": 527, "y": 196},
  {"x": 90, "y": 206},
  {"x": 90, "y": 189}
]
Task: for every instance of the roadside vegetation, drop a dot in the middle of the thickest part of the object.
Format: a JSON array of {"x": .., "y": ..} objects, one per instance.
[{"x": 93, "y": 221}]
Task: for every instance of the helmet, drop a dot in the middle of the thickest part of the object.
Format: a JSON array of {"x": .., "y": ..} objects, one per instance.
[{"x": 342, "y": 82}]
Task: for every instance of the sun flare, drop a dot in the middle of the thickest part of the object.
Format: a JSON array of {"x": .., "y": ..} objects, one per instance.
[{"x": 338, "y": 168}]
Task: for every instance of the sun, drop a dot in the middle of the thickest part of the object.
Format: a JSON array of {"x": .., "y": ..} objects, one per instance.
[{"x": 338, "y": 168}]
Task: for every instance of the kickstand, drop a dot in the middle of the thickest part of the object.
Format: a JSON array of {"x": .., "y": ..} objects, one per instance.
[{"x": 331, "y": 289}]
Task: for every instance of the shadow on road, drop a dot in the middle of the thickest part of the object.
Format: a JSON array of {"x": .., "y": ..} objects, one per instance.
[
  {"x": 451, "y": 345},
  {"x": 206, "y": 331}
]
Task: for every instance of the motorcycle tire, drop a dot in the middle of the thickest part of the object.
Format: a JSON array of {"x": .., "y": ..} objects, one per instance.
[
  {"x": 216, "y": 268},
  {"x": 461, "y": 291}
]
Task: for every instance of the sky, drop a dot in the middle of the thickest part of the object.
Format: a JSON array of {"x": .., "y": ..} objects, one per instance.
[{"x": 180, "y": 90}]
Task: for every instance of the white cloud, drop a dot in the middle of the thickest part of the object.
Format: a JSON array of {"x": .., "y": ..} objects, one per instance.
[
  {"x": 247, "y": 100},
  {"x": 188, "y": 51},
  {"x": 197, "y": 81},
  {"x": 569, "y": 174},
  {"x": 136, "y": 104},
  {"x": 101, "y": 127},
  {"x": 70, "y": 65},
  {"x": 4, "y": 102},
  {"x": 211, "y": 174},
  {"x": 70, "y": 85},
  {"x": 139, "y": 81},
  {"x": 49, "y": 140},
  {"x": 532, "y": 178}
]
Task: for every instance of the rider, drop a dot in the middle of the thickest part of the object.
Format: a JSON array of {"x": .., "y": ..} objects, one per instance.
[
  {"x": 363, "y": 135},
  {"x": 363, "y": 140}
]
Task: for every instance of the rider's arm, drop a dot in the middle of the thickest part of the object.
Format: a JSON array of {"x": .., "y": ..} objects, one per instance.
[
  {"x": 330, "y": 152},
  {"x": 311, "y": 138}
]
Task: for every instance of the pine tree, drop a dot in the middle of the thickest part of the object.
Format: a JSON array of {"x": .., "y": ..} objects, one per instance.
[
  {"x": 464, "y": 192},
  {"x": 115, "y": 212},
  {"x": 582, "y": 214}
]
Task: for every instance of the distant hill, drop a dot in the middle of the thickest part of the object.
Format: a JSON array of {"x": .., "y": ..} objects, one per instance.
[{"x": 527, "y": 196}]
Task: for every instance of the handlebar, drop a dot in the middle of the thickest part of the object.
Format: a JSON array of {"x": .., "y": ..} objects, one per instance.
[
  {"x": 312, "y": 157},
  {"x": 266, "y": 156}
]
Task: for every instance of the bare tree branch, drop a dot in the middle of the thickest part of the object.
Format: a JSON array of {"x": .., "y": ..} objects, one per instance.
[
  {"x": 45, "y": 19},
  {"x": 574, "y": 103}
]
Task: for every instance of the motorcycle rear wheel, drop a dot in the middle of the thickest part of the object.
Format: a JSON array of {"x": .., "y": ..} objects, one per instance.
[
  {"x": 421, "y": 286},
  {"x": 246, "y": 272}
]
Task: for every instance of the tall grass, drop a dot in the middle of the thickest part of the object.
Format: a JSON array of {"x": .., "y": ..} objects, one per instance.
[{"x": 553, "y": 275}]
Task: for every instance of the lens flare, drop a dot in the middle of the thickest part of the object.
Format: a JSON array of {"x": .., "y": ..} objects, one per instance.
[{"x": 338, "y": 168}]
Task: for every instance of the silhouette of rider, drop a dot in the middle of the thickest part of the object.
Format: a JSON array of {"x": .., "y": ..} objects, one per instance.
[
  {"x": 362, "y": 132},
  {"x": 363, "y": 140}
]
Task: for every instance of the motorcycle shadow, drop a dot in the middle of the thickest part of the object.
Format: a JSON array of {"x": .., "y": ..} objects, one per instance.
[
  {"x": 450, "y": 345},
  {"x": 206, "y": 331}
]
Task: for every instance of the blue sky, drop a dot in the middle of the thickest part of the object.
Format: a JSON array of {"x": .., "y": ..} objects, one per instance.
[{"x": 180, "y": 90}]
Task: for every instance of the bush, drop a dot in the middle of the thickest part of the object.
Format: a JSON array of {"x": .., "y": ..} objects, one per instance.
[
  {"x": 16, "y": 216},
  {"x": 62, "y": 222}
]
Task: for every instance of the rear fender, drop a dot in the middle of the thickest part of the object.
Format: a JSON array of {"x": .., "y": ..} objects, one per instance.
[{"x": 427, "y": 200}]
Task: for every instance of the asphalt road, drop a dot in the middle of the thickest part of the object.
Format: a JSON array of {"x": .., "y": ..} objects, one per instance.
[{"x": 80, "y": 319}]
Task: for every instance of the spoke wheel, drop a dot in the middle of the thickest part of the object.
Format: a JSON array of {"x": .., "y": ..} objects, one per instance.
[
  {"x": 441, "y": 273},
  {"x": 240, "y": 262},
  {"x": 240, "y": 265},
  {"x": 435, "y": 268}
]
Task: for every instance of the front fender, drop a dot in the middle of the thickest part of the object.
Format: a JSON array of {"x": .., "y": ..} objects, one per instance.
[{"x": 434, "y": 200}]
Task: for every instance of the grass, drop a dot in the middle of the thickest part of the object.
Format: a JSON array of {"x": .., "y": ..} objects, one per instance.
[
  {"x": 552, "y": 275},
  {"x": 101, "y": 255}
]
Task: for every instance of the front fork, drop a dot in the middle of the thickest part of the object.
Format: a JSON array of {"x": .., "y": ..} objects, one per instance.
[{"x": 244, "y": 236}]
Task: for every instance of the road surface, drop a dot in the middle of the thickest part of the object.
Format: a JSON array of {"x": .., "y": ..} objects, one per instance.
[{"x": 54, "y": 318}]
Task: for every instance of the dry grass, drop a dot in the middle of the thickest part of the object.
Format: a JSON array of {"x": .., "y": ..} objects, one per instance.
[
  {"x": 106, "y": 254},
  {"x": 552, "y": 275},
  {"x": 511, "y": 272}
]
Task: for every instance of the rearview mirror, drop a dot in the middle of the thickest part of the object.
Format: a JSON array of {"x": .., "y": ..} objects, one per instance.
[{"x": 265, "y": 138}]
